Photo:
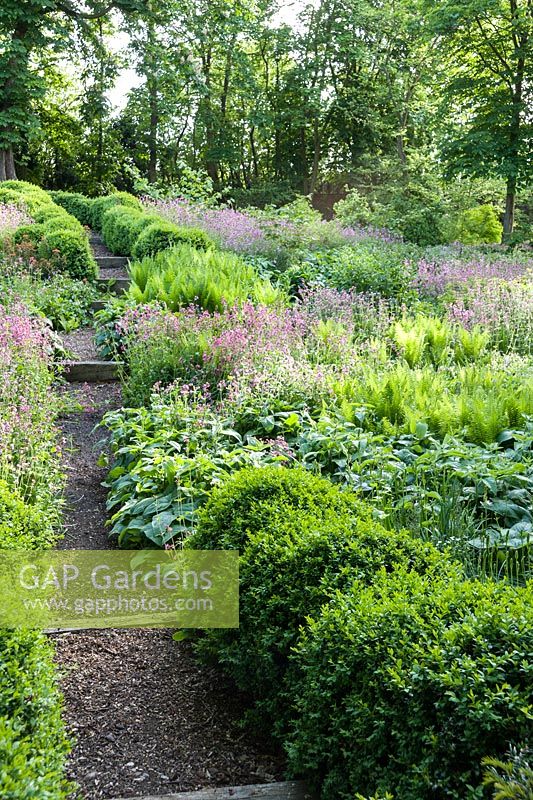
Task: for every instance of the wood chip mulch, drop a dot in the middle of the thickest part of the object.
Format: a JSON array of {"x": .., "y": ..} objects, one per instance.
[
  {"x": 146, "y": 717},
  {"x": 150, "y": 720}
]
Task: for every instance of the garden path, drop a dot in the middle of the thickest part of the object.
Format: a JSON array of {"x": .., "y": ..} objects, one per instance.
[{"x": 147, "y": 718}]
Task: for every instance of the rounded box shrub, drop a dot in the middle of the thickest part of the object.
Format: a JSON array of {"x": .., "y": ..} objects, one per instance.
[
  {"x": 254, "y": 499},
  {"x": 76, "y": 204},
  {"x": 163, "y": 235},
  {"x": 300, "y": 539},
  {"x": 57, "y": 215},
  {"x": 121, "y": 226},
  {"x": 63, "y": 223},
  {"x": 103, "y": 204},
  {"x": 69, "y": 253},
  {"x": 33, "y": 197},
  {"x": 406, "y": 684},
  {"x": 29, "y": 233},
  {"x": 8, "y": 196}
]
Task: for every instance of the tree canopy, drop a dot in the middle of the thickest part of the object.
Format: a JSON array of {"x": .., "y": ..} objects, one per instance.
[{"x": 347, "y": 91}]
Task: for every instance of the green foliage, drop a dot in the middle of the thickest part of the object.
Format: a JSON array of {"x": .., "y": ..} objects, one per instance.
[
  {"x": 406, "y": 684},
  {"x": 366, "y": 267},
  {"x": 64, "y": 301},
  {"x": 211, "y": 279},
  {"x": 425, "y": 339},
  {"x": 122, "y": 226},
  {"x": 59, "y": 237},
  {"x": 299, "y": 538},
  {"x": 103, "y": 204},
  {"x": 409, "y": 201},
  {"x": 510, "y": 778},
  {"x": 33, "y": 747},
  {"x": 9, "y": 196},
  {"x": 193, "y": 184},
  {"x": 162, "y": 235},
  {"x": 260, "y": 499},
  {"x": 22, "y": 526},
  {"x": 478, "y": 402},
  {"x": 29, "y": 233},
  {"x": 70, "y": 252},
  {"x": 155, "y": 496},
  {"x": 479, "y": 225},
  {"x": 76, "y": 204}
]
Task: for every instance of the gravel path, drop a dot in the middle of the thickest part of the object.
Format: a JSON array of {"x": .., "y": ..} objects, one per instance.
[
  {"x": 82, "y": 444},
  {"x": 97, "y": 245},
  {"x": 80, "y": 344},
  {"x": 112, "y": 273},
  {"x": 145, "y": 716}
]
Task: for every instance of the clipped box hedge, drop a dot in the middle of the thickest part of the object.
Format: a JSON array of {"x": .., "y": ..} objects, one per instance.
[
  {"x": 162, "y": 235},
  {"x": 126, "y": 228},
  {"x": 381, "y": 668},
  {"x": 406, "y": 685},
  {"x": 60, "y": 239},
  {"x": 299, "y": 538}
]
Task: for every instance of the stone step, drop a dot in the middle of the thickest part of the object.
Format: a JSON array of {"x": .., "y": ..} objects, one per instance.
[
  {"x": 113, "y": 285},
  {"x": 286, "y": 790},
  {"x": 91, "y": 371},
  {"x": 112, "y": 262}
]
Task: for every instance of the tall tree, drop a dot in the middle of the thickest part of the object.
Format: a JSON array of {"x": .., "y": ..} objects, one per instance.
[
  {"x": 27, "y": 28},
  {"x": 488, "y": 83}
]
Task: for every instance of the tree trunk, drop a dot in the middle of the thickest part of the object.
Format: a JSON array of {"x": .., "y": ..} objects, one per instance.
[
  {"x": 303, "y": 155},
  {"x": 7, "y": 165},
  {"x": 316, "y": 157},
  {"x": 254, "y": 152},
  {"x": 508, "y": 218},
  {"x": 514, "y": 137},
  {"x": 153, "y": 101},
  {"x": 401, "y": 149},
  {"x": 152, "y": 135}
]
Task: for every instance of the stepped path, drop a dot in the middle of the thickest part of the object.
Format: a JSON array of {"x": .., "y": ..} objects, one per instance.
[{"x": 147, "y": 719}]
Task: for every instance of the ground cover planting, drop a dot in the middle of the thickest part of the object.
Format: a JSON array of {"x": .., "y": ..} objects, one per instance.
[
  {"x": 33, "y": 745},
  {"x": 356, "y": 419},
  {"x": 413, "y": 418},
  {"x": 266, "y": 400}
]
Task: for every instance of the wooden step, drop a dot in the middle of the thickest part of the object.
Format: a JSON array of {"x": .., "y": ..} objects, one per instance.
[
  {"x": 286, "y": 790},
  {"x": 112, "y": 262},
  {"x": 113, "y": 285},
  {"x": 91, "y": 371}
]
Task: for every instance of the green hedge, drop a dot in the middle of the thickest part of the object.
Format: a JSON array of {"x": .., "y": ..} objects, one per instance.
[
  {"x": 380, "y": 667},
  {"x": 103, "y": 204},
  {"x": 405, "y": 685},
  {"x": 33, "y": 747},
  {"x": 128, "y": 230},
  {"x": 122, "y": 226},
  {"x": 162, "y": 235},
  {"x": 59, "y": 237},
  {"x": 76, "y": 204},
  {"x": 299, "y": 537}
]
